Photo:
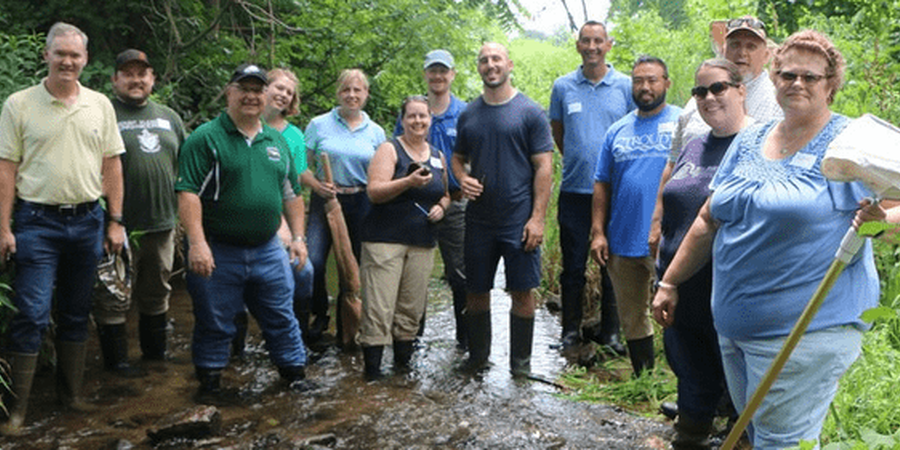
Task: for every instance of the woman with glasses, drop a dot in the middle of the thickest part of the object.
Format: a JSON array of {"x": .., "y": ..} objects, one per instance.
[
  {"x": 408, "y": 190},
  {"x": 692, "y": 347},
  {"x": 771, "y": 226},
  {"x": 349, "y": 139}
]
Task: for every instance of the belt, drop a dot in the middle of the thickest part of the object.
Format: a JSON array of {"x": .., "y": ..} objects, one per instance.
[
  {"x": 77, "y": 209},
  {"x": 345, "y": 190}
]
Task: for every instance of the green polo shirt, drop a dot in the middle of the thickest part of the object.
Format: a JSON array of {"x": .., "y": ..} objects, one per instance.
[{"x": 241, "y": 185}]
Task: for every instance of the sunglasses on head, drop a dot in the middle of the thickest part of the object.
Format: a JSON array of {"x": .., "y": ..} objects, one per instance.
[
  {"x": 808, "y": 78},
  {"x": 716, "y": 88},
  {"x": 749, "y": 21}
]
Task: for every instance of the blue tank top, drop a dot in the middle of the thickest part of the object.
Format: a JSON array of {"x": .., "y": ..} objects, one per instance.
[{"x": 404, "y": 220}]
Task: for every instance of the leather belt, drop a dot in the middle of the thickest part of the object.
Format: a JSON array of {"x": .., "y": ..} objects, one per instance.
[{"x": 77, "y": 209}]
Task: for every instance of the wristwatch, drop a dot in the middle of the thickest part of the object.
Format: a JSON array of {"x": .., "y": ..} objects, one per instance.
[
  {"x": 664, "y": 285},
  {"x": 117, "y": 218}
]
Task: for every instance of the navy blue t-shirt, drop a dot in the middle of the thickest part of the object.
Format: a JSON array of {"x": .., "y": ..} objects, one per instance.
[{"x": 499, "y": 141}]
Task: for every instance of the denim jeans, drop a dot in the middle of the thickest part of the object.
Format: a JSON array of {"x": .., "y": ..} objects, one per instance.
[
  {"x": 796, "y": 406},
  {"x": 58, "y": 250},
  {"x": 318, "y": 240},
  {"x": 259, "y": 277}
]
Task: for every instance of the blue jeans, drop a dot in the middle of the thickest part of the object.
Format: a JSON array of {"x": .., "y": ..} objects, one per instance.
[
  {"x": 318, "y": 240},
  {"x": 259, "y": 277},
  {"x": 58, "y": 250},
  {"x": 796, "y": 406}
]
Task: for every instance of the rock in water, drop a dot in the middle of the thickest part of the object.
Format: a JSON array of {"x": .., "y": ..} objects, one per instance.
[{"x": 196, "y": 423}]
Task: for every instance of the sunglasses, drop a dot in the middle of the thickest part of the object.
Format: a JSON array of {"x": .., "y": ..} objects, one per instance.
[
  {"x": 716, "y": 88},
  {"x": 808, "y": 78},
  {"x": 749, "y": 21}
]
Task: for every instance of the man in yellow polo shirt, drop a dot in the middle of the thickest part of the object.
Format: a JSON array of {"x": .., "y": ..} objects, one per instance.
[{"x": 59, "y": 151}]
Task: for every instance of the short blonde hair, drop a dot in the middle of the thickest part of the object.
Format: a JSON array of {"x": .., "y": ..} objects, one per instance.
[
  {"x": 348, "y": 75},
  {"x": 293, "y": 107}
]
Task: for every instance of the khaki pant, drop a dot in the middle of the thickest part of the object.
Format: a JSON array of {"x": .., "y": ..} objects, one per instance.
[
  {"x": 395, "y": 290},
  {"x": 632, "y": 279}
]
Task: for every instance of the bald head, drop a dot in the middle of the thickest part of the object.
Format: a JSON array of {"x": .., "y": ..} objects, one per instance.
[
  {"x": 494, "y": 65},
  {"x": 493, "y": 47}
]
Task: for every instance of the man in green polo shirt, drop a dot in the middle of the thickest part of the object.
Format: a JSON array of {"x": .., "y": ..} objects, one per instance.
[{"x": 236, "y": 176}]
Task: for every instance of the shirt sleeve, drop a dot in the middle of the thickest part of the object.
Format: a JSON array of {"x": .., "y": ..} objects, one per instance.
[
  {"x": 729, "y": 161},
  {"x": 113, "y": 145},
  {"x": 11, "y": 147},
  {"x": 603, "y": 171},
  {"x": 556, "y": 109},
  {"x": 195, "y": 164},
  {"x": 540, "y": 136}
]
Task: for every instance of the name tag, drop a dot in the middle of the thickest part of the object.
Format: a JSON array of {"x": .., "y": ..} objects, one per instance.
[
  {"x": 436, "y": 163},
  {"x": 803, "y": 160},
  {"x": 667, "y": 127},
  {"x": 574, "y": 107},
  {"x": 451, "y": 132}
]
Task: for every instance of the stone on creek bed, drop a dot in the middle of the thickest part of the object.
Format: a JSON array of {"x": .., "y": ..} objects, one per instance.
[{"x": 195, "y": 423}]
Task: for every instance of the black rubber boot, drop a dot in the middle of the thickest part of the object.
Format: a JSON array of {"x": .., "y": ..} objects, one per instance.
[
  {"x": 609, "y": 318},
  {"x": 403, "y": 351},
  {"x": 692, "y": 434},
  {"x": 641, "y": 353},
  {"x": 114, "y": 347},
  {"x": 210, "y": 391},
  {"x": 154, "y": 336},
  {"x": 239, "y": 342},
  {"x": 295, "y": 376},
  {"x": 459, "y": 305},
  {"x": 478, "y": 328},
  {"x": 301, "y": 312},
  {"x": 372, "y": 361},
  {"x": 521, "y": 338}
]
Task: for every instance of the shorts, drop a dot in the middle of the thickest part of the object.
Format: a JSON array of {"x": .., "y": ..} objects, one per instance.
[{"x": 484, "y": 245}]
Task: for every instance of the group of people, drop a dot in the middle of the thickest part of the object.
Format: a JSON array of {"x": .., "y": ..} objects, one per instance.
[{"x": 723, "y": 202}]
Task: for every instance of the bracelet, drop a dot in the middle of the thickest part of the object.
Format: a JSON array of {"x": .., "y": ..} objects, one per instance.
[
  {"x": 664, "y": 285},
  {"x": 117, "y": 218},
  {"x": 300, "y": 239}
]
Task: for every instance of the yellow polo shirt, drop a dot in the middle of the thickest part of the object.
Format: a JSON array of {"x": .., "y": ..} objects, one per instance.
[{"x": 59, "y": 148}]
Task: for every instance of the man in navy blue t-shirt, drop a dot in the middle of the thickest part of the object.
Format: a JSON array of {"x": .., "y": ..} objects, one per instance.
[{"x": 505, "y": 138}]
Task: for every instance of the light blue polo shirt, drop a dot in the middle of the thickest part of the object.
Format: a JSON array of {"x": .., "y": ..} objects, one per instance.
[
  {"x": 586, "y": 110},
  {"x": 348, "y": 150}
]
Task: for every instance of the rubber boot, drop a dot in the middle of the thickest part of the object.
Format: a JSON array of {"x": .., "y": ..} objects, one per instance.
[
  {"x": 521, "y": 338},
  {"x": 692, "y": 434},
  {"x": 403, "y": 351},
  {"x": 22, "y": 367},
  {"x": 295, "y": 376},
  {"x": 154, "y": 335},
  {"x": 239, "y": 342},
  {"x": 70, "y": 360},
  {"x": 459, "y": 305},
  {"x": 478, "y": 328},
  {"x": 301, "y": 312},
  {"x": 114, "y": 347},
  {"x": 210, "y": 390},
  {"x": 641, "y": 352},
  {"x": 372, "y": 361},
  {"x": 609, "y": 318}
]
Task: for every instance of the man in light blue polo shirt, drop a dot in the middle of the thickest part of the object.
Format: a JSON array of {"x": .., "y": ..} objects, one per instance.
[{"x": 584, "y": 103}]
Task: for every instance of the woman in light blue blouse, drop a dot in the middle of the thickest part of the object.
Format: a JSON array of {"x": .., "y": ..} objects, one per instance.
[
  {"x": 349, "y": 138},
  {"x": 772, "y": 226}
]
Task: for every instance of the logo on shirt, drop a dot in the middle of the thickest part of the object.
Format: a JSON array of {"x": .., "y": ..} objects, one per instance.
[
  {"x": 149, "y": 141},
  {"x": 273, "y": 153}
]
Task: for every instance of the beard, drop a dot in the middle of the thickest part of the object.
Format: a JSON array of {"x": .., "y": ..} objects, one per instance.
[{"x": 652, "y": 104}]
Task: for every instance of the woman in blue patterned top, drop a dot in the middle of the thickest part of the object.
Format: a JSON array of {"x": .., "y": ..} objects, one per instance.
[{"x": 772, "y": 226}]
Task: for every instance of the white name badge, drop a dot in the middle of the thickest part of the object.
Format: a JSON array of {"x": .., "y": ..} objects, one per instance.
[
  {"x": 436, "y": 163},
  {"x": 803, "y": 160},
  {"x": 574, "y": 107},
  {"x": 667, "y": 127}
]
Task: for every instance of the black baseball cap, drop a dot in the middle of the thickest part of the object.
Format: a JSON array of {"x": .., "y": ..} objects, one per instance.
[
  {"x": 131, "y": 55},
  {"x": 245, "y": 71}
]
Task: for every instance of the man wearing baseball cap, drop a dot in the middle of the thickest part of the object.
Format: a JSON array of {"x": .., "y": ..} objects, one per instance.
[
  {"x": 445, "y": 108},
  {"x": 236, "y": 177},
  {"x": 152, "y": 133}
]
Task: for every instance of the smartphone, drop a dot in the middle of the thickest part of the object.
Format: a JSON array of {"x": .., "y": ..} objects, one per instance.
[{"x": 414, "y": 166}]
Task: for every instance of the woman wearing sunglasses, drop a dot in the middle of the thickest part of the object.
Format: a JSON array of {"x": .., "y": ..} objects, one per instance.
[
  {"x": 772, "y": 225},
  {"x": 691, "y": 344}
]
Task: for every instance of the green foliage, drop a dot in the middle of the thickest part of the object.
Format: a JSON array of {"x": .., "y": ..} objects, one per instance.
[{"x": 20, "y": 62}]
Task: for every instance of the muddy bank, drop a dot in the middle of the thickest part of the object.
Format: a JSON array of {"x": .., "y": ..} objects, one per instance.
[{"x": 435, "y": 406}]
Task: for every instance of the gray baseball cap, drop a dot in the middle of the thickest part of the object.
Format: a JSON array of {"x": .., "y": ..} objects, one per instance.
[{"x": 442, "y": 57}]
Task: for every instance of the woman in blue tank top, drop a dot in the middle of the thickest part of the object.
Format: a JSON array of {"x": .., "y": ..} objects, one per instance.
[{"x": 408, "y": 190}]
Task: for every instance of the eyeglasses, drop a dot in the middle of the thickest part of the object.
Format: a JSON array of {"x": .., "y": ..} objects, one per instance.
[
  {"x": 808, "y": 78},
  {"x": 716, "y": 88},
  {"x": 749, "y": 21}
]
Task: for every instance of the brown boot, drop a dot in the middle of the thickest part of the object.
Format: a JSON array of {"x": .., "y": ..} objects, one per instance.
[
  {"x": 70, "y": 375},
  {"x": 23, "y": 366}
]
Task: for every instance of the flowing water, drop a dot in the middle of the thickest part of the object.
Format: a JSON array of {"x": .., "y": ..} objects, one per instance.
[{"x": 434, "y": 407}]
